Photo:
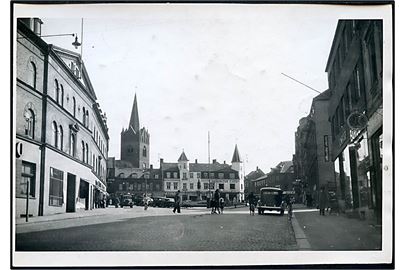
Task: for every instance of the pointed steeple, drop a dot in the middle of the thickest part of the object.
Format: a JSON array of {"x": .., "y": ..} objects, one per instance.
[
  {"x": 182, "y": 157},
  {"x": 235, "y": 157},
  {"x": 134, "y": 121}
]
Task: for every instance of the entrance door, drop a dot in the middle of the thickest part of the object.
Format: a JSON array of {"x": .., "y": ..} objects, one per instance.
[
  {"x": 84, "y": 193},
  {"x": 71, "y": 193}
]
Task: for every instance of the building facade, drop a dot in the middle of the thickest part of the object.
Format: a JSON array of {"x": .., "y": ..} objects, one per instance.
[
  {"x": 282, "y": 176},
  {"x": 61, "y": 134},
  {"x": 253, "y": 175},
  {"x": 198, "y": 181},
  {"x": 355, "y": 73},
  {"x": 312, "y": 159}
]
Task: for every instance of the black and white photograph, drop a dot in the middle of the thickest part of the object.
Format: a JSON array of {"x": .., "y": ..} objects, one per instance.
[{"x": 201, "y": 134}]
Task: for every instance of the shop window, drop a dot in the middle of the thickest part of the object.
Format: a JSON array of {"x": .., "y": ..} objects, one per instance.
[
  {"x": 27, "y": 175},
  {"x": 56, "y": 187}
]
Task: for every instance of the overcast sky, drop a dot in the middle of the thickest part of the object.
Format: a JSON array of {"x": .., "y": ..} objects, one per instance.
[{"x": 200, "y": 68}]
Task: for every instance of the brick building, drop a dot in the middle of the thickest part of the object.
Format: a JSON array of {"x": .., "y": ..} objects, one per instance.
[
  {"x": 61, "y": 134},
  {"x": 282, "y": 176}
]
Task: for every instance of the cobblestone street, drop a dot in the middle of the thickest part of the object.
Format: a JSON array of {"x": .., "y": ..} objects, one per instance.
[{"x": 235, "y": 230}]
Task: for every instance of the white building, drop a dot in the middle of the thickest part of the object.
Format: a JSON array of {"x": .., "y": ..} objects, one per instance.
[{"x": 197, "y": 181}]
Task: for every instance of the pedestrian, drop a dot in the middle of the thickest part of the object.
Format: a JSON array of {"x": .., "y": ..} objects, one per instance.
[
  {"x": 216, "y": 201},
  {"x": 289, "y": 207},
  {"x": 177, "y": 202},
  {"x": 323, "y": 200},
  {"x": 221, "y": 205},
  {"x": 234, "y": 201},
  {"x": 252, "y": 201},
  {"x": 145, "y": 202}
]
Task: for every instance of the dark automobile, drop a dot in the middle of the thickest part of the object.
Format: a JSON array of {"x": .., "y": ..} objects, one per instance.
[
  {"x": 189, "y": 203},
  {"x": 162, "y": 202},
  {"x": 271, "y": 199},
  {"x": 138, "y": 200},
  {"x": 126, "y": 200}
]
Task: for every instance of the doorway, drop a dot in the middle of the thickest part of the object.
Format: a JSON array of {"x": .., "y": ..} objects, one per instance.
[{"x": 71, "y": 193}]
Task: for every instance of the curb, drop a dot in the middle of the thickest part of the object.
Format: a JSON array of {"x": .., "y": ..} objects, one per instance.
[{"x": 300, "y": 237}]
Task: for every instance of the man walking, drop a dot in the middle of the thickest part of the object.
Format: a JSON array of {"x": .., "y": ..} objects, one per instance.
[{"x": 177, "y": 202}]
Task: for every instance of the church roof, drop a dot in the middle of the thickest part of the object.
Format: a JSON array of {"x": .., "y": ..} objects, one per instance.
[
  {"x": 235, "y": 157},
  {"x": 182, "y": 157},
  {"x": 134, "y": 121}
]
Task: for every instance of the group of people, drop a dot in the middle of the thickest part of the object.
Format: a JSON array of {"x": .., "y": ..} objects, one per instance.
[{"x": 217, "y": 204}]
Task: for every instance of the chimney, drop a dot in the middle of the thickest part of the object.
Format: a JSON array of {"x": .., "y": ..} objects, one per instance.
[
  {"x": 214, "y": 161},
  {"x": 257, "y": 168},
  {"x": 151, "y": 166},
  {"x": 161, "y": 160},
  {"x": 224, "y": 161},
  {"x": 196, "y": 161}
]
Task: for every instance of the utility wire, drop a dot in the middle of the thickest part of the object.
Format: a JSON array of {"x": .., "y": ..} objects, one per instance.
[{"x": 301, "y": 83}]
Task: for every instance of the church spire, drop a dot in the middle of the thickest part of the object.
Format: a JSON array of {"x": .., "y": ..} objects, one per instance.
[
  {"x": 236, "y": 157},
  {"x": 134, "y": 121}
]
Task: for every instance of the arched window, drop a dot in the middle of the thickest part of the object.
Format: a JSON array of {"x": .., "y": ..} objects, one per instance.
[
  {"x": 61, "y": 137},
  {"x": 55, "y": 134},
  {"x": 84, "y": 116},
  {"x": 83, "y": 152},
  {"x": 30, "y": 123},
  {"x": 32, "y": 74},
  {"x": 74, "y": 107},
  {"x": 72, "y": 148},
  {"x": 87, "y": 119},
  {"x": 56, "y": 91},
  {"x": 62, "y": 93},
  {"x": 87, "y": 153},
  {"x": 144, "y": 151}
]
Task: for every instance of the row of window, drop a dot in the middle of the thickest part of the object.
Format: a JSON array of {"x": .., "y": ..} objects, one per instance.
[
  {"x": 125, "y": 186},
  {"x": 57, "y": 142},
  {"x": 191, "y": 186},
  {"x": 205, "y": 175},
  {"x": 59, "y": 97}
]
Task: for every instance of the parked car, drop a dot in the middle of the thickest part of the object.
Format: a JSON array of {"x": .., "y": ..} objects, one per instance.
[
  {"x": 189, "y": 203},
  {"x": 126, "y": 200},
  {"x": 138, "y": 200},
  {"x": 271, "y": 199}
]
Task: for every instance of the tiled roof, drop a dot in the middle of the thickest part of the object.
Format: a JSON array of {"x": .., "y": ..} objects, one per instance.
[
  {"x": 209, "y": 167},
  {"x": 166, "y": 166},
  {"x": 255, "y": 174}
]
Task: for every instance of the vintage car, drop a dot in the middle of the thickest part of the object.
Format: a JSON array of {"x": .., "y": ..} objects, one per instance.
[
  {"x": 126, "y": 200},
  {"x": 271, "y": 199}
]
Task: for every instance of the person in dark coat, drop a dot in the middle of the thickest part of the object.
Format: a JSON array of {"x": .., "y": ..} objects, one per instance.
[
  {"x": 216, "y": 202},
  {"x": 177, "y": 202},
  {"x": 323, "y": 200}
]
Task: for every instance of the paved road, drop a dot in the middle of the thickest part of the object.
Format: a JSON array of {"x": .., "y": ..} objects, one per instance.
[{"x": 235, "y": 230}]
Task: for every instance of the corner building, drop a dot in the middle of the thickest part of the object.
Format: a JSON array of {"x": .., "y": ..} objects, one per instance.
[{"x": 61, "y": 134}]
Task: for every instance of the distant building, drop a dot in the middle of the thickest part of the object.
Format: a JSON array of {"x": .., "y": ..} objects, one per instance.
[
  {"x": 197, "y": 181},
  {"x": 253, "y": 175},
  {"x": 61, "y": 134},
  {"x": 355, "y": 68},
  {"x": 312, "y": 159},
  {"x": 132, "y": 174},
  {"x": 282, "y": 176}
]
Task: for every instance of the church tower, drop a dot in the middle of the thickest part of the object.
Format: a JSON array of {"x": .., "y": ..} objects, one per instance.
[{"x": 135, "y": 141}]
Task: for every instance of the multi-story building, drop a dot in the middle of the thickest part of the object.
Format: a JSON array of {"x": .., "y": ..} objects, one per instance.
[
  {"x": 253, "y": 175},
  {"x": 282, "y": 176},
  {"x": 61, "y": 134},
  {"x": 312, "y": 159},
  {"x": 197, "y": 181},
  {"x": 354, "y": 70}
]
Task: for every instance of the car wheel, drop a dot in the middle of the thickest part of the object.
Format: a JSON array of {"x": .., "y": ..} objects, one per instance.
[{"x": 131, "y": 206}]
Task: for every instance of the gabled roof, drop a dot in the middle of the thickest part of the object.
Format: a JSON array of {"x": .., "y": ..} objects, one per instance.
[
  {"x": 235, "y": 157},
  {"x": 166, "y": 166},
  {"x": 255, "y": 174},
  {"x": 210, "y": 167},
  {"x": 182, "y": 157}
]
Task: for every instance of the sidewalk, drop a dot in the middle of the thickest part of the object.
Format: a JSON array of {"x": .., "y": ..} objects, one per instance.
[
  {"x": 95, "y": 216},
  {"x": 332, "y": 232}
]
